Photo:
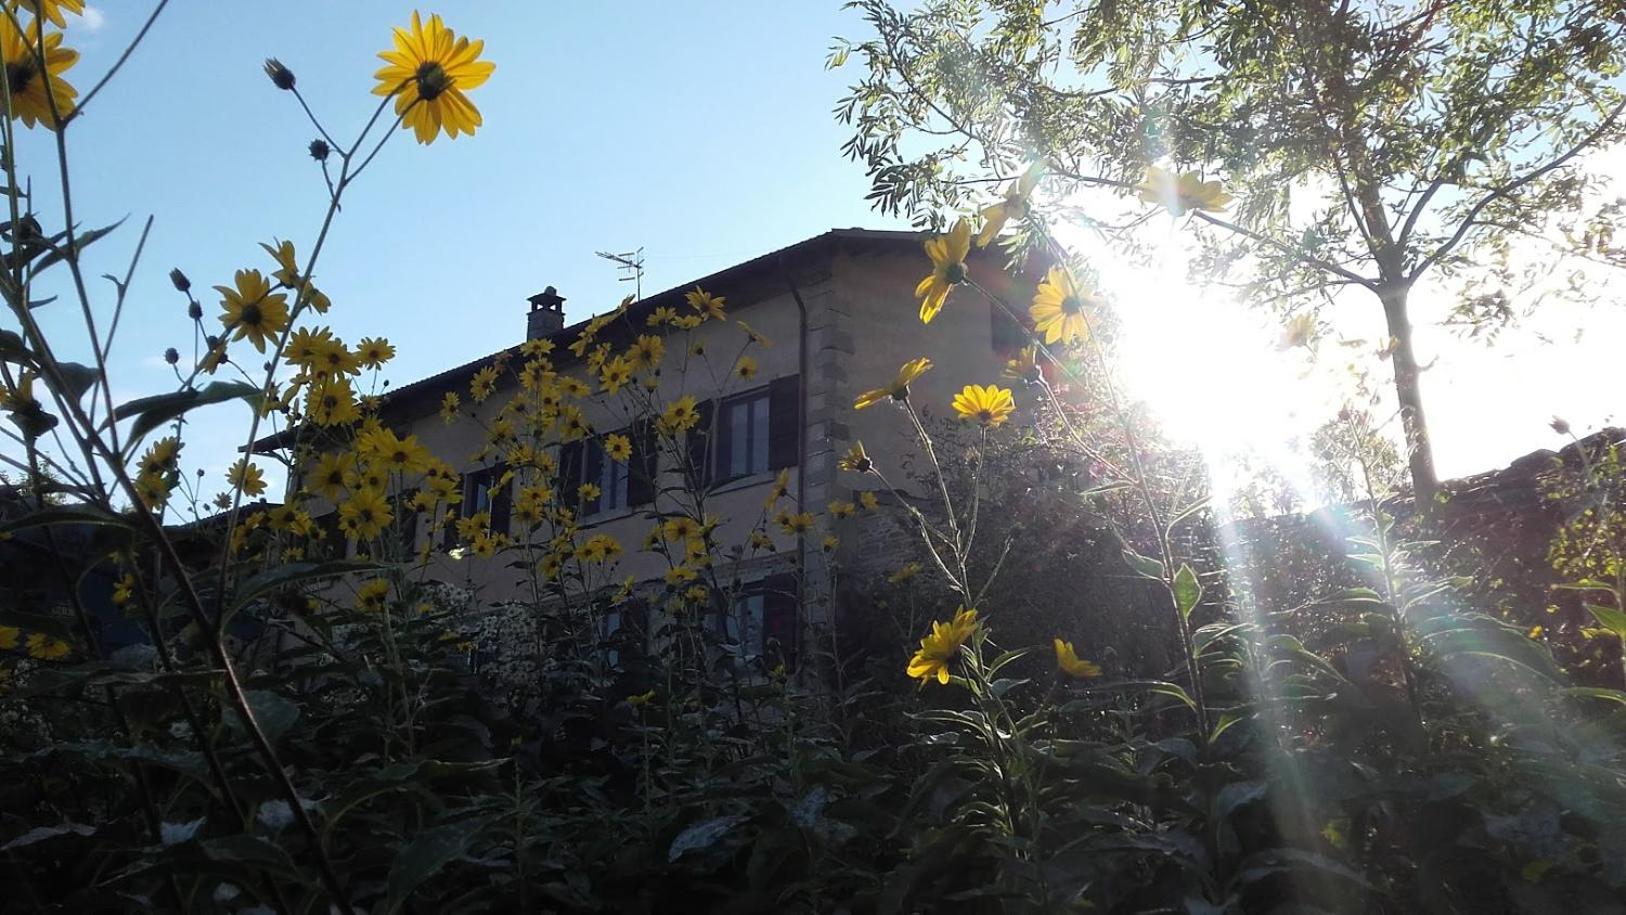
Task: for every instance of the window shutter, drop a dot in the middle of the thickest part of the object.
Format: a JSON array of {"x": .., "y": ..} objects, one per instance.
[
  {"x": 700, "y": 455},
  {"x": 780, "y": 616},
  {"x": 448, "y": 534},
  {"x": 502, "y": 500},
  {"x": 644, "y": 468},
  {"x": 784, "y": 422},
  {"x": 592, "y": 472},
  {"x": 570, "y": 473}
]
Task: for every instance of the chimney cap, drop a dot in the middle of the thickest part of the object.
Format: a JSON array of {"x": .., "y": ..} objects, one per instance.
[{"x": 548, "y": 298}]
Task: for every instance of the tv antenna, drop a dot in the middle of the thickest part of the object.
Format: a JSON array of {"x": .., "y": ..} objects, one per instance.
[{"x": 630, "y": 263}]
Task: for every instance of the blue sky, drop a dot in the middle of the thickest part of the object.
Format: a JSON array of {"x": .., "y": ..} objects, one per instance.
[
  {"x": 700, "y": 131},
  {"x": 702, "y": 134}
]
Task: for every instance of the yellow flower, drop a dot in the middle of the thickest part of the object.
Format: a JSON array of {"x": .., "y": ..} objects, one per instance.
[
  {"x": 51, "y": 10},
  {"x": 697, "y": 594},
  {"x": 589, "y": 491},
  {"x": 332, "y": 469},
  {"x": 990, "y": 405},
  {"x": 428, "y": 72},
  {"x": 679, "y": 574},
  {"x": 899, "y": 388},
  {"x": 905, "y": 572},
  {"x": 160, "y": 456},
  {"x": 868, "y": 500},
  {"x": 706, "y": 303},
  {"x": 680, "y": 527},
  {"x": 535, "y": 347},
  {"x": 618, "y": 447},
  {"x": 123, "y": 590},
  {"x": 47, "y": 648},
  {"x": 680, "y": 415},
  {"x": 404, "y": 455},
  {"x": 799, "y": 523},
  {"x": 364, "y": 515},
  {"x": 1070, "y": 664},
  {"x": 856, "y": 460},
  {"x": 31, "y": 95},
  {"x": 373, "y": 595},
  {"x": 646, "y": 352},
  {"x": 152, "y": 489},
  {"x": 449, "y": 403},
  {"x": 661, "y": 315},
  {"x": 1180, "y": 195},
  {"x": 1024, "y": 366},
  {"x": 688, "y": 322},
  {"x": 746, "y": 368},
  {"x": 752, "y": 333},
  {"x": 247, "y": 477},
  {"x": 641, "y": 699},
  {"x": 615, "y": 374},
  {"x": 1299, "y": 330},
  {"x": 374, "y": 352},
  {"x": 1018, "y": 199},
  {"x": 948, "y": 254},
  {"x": 839, "y": 509},
  {"x": 938, "y": 649},
  {"x": 252, "y": 309},
  {"x": 332, "y": 403},
  {"x": 1058, "y": 308},
  {"x": 483, "y": 383},
  {"x": 830, "y": 543},
  {"x": 9, "y": 635}
]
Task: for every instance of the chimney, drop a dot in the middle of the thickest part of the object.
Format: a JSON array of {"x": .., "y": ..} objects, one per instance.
[{"x": 547, "y": 315}]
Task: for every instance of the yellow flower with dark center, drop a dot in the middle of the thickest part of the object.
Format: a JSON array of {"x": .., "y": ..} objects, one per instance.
[
  {"x": 373, "y": 596},
  {"x": 614, "y": 375},
  {"x": 428, "y": 71},
  {"x": 536, "y": 347},
  {"x": 948, "y": 253},
  {"x": 680, "y": 528},
  {"x": 798, "y": 523},
  {"x": 760, "y": 540},
  {"x": 1182, "y": 194},
  {"x": 856, "y": 460},
  {"x": 287, "y": 272},
  {"x": 332, "y": 469},
  {"x": 990, "y": 405},
  {"x": 247, "y": 477},
  {"x": 1058, "y": 308},
  {"x": 705, "y": 303},
  {"x": 1024, "y": 366},
  {"x": 123, "y": 590},
  {"x": 52, "y": 10},
  {"x": 160, "y": 455},
  {"x": 252, "y": 309},
  {"x": 680, "y": 574},
  {"x": 746, "y": 368},
  {"x": 33, "y": 92},
  {"x": 868, "y": 500},
  {"x": 364, "y": 515},
  {"x": 754, "y": 336},
  {"x": 661, "y": 315},
  {"x": 938, "y": 649},
  {"x": 152, "y": 489},
  {"x": 618, "y": 448},
  {"x": 688, "y": 322},
  {"x": 402, "y": 455},
  {"x": 306, "y": 346},
  {"x": 449, "y": 403},
  {"x": 597, "y": 358},
  {"x": 589, "y": 491},
  {"x": 680, "y": 415},
  {"x": 830, "y": 543},
  {"x": 483, "y": 383},
  {"x": 646, "y": 352},
  {"x": 1017, "y": 203},
  {"x": 1068, "y": 661},
  {"x": 43, "y": 647},
  {"x": 899, "y": 388},
  {"x": 840, "y": 509},
  {"x": 332, "y": 403},
  {"x": 374, "y": 352}
]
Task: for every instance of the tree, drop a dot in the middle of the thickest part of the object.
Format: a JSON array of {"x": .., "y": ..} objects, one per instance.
[{"x": 1431, "y": 135}]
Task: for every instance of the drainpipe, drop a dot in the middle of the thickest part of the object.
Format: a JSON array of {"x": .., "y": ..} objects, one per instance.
[{"x": 801, "y": 432}]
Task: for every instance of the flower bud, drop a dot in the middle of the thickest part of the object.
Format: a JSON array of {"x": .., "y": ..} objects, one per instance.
[
  {"x": 281, "y": 76},
  {"x": 172, "y": 355},
  {"x": 1560, "y": 425},
  {"x": 319, "y": 150},
  {"x": 182, "y": 284},
  {"x": 194, "y": 311}
]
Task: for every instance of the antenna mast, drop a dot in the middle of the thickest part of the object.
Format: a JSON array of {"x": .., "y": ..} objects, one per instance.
[{"x": 630, "y": 263}]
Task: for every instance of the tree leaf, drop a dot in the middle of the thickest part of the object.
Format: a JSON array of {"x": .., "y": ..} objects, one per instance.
[
  {"x": 1610, "y": 619},
  {"x": 152, "y": 412},
  {"x": 702, "y": 835},
  {"x": 66, "y": 514},
  {"x": 1145, "y": 566},
  {"x": 81, "y": 241},
  {"x": 429, "y": 851},
  {"x": 295, "y": 572},
  {"x": 1187, "y": 590},
  {"x": 275, "y": 714}
]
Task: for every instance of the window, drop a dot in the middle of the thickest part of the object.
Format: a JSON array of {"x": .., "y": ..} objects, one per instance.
[
  {"x": 481, "y": 494},
  {"x": 609, "y": 475},
  {"x": 751, "y": 433},
  {"x": 742, "y": 433},
  {"x": 761, "y": 625},
  {"x": 406, "y": 514}
]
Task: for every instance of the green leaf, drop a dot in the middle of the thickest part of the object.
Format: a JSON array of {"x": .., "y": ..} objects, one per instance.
[
  {"x": 77, "y": 378},
  {"x": 274, "y": 714},
  {"x": 702, "y": 835},
  {"x": 1187, "y": 591},
  {"x": 428, "y": 852},
  {"x": 294, "y": 573},
  {"x": 155, "y": 411},
  {"x": 1145, "y": 566},
  {"x": 81, "y": 241},
  {"x": 1610, "y": 619}
]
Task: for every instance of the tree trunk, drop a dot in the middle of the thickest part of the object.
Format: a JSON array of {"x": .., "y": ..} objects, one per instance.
[{"x": 1409, "y": 393}]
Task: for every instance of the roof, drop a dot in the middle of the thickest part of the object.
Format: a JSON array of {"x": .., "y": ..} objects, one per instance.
[{"x": 456, "y": 375}]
